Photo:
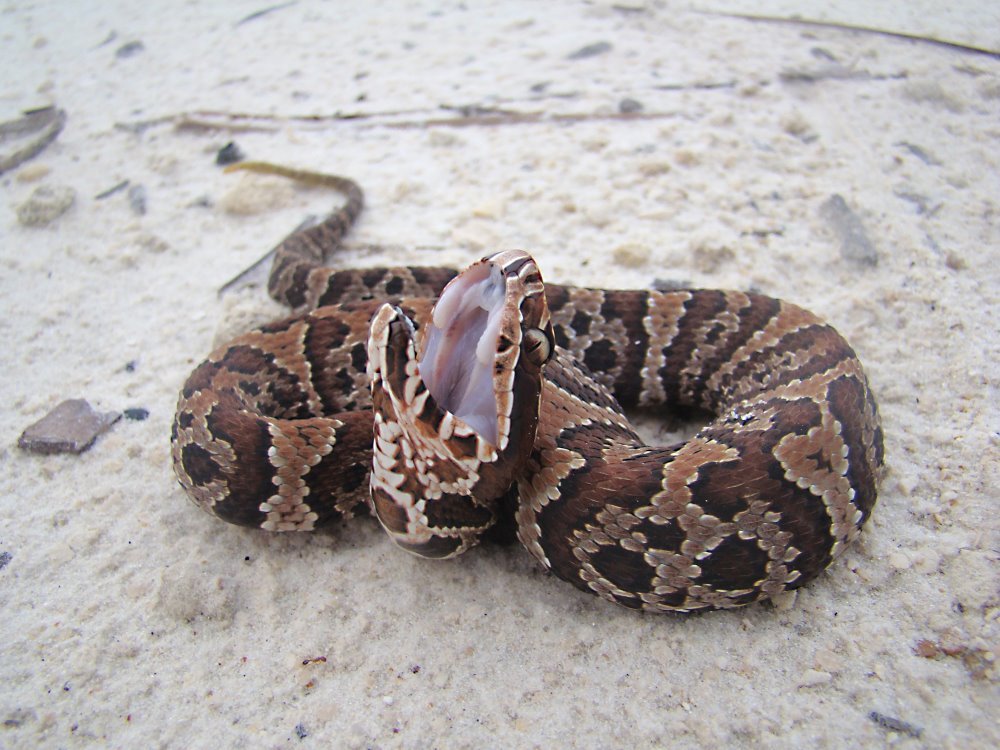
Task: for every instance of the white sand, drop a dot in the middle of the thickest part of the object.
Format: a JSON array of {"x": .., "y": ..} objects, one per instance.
[{"x": 131, "y": 619}]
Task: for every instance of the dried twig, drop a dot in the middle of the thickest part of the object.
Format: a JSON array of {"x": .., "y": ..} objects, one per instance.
[
  {"x": 263, "y": 12},
  {"x": 856, "y": 27}
]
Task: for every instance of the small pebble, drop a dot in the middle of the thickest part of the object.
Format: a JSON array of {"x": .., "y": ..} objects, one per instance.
[
  {"x": 46, "y": 204},
  {"x": 920, "y": 153},
  {"x": 654, "y": 168},
  {"x": 895, "y": 725},
  {"x": 72, "y": 427},
  {"x": 129, "y": 50},
  {"x": 591, "y": 50},
  {"x": 954, "y": 261},
  {"x": 491, "y": 208},
  {"x": 797, "y": 126},
  {"x": 855, "y": 245},
  {"x": 229, "y": 154},
  {"x": 669, "y": 285},
  {"x": 137, "y": 199},
  {"x": 33, "y": 173},
  {"x": 629, "y": 106},
  {"x": 19, "y": 717},
  {"x": 823, "y": 54},
  {"x": 136, "y": 414}
]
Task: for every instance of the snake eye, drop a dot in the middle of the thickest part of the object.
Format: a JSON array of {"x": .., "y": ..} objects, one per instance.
[{"x": 537, "y": 346}]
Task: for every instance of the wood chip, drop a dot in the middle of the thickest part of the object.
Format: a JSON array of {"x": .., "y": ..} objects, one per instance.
[
  {"x": 72, "y": 427},
  {"x": 28, "y": 135}
]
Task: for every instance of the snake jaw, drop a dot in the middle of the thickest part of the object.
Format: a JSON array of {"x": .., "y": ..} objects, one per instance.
[
  {"x": 489, "y": 334},
  {"x": 456, "y": 404},
  {"x": 457, "y": 363}
]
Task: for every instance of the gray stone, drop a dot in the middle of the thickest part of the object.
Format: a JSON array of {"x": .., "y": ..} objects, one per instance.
[
  {"x": 855, "y": 244},
  {"x": 591, "y": 50}
]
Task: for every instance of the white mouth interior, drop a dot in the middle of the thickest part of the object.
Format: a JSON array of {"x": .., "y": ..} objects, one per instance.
[{"x": 457, "y": 365}]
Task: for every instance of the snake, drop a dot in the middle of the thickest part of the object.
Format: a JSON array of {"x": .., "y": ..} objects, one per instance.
[{"x": 448, "y": 404}]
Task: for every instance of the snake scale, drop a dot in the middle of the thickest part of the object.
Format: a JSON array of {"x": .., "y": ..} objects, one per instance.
[{"x": 507, "y": 399}]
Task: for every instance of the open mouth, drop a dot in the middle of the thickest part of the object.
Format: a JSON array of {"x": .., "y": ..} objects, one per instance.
[{"x": 458, "y": 360}]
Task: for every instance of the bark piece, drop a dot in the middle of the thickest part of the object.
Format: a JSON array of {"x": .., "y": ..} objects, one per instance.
[{"x": 72, "y": 427}]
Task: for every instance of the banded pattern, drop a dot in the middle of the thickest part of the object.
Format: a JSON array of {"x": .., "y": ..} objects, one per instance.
[
  {"x": 275, "y": 430},
  {"x": 759, "y": 501}
]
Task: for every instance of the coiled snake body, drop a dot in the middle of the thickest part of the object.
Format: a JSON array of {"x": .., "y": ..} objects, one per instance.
[{"x": 509, "y": 396}]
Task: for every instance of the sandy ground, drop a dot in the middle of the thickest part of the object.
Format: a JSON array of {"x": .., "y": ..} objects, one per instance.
[{"x": 131, "y": 619}]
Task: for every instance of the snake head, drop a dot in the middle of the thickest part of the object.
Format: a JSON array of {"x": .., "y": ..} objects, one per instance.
[{"x": 456, "y": 402}]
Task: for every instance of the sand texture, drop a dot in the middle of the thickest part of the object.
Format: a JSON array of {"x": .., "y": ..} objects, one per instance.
[{"x": 853, "y": 173}]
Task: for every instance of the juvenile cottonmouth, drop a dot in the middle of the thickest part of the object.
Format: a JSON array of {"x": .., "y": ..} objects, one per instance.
[{"x": 509, "y": 398}]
